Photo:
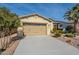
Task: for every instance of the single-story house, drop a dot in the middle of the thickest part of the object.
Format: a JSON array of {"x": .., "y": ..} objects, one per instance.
[
  {"x": 61, "y": 24},
  {"x": 36, "y": 24}
]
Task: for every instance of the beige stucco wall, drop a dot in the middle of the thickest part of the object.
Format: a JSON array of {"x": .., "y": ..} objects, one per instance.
[
  {"x": 49, "y": 27},
  {"x": 37, "y": 19}
]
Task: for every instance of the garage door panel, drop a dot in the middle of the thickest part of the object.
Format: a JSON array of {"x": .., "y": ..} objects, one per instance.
[{"x": 35, "y": 29}]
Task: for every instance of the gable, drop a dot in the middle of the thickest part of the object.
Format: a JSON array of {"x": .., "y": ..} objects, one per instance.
[{"x": 35, "y": 18}]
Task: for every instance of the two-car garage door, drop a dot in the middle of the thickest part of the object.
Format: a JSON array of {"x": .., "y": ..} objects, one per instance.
[{"x": 35, "y": 29}]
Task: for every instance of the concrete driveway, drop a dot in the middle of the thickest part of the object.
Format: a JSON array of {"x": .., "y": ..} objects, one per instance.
[{"x": 44, "y": 45}]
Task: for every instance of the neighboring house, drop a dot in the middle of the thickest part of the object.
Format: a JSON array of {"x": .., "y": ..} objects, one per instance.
[
  {"x": 61, "y": 24},
  {"x": 36, "y": 24}
]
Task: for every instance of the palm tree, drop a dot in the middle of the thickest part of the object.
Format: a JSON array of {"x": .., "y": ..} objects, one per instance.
[{"x": 73, "y": 15}]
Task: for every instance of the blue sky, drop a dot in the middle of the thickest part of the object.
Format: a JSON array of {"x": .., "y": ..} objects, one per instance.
[{"x": 50, "y": 10}]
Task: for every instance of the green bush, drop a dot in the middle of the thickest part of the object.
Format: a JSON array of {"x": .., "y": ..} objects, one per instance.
[
  {"x": 54, "y": 30},
  {"x": 57, "y": 32},
  {"x": 69, "y": 35},
  {"x": 60, "y": 31},
  {"x": 57, "y": 35}
]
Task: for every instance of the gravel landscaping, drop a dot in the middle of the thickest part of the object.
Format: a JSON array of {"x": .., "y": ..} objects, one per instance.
[
  {"x": 12, "y": 46},
  {"x": 74, "y": 41},
  {"x": 11, "y": 49}
]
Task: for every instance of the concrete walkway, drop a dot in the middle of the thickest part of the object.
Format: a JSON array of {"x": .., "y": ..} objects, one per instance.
[{"x": 44, "y": 45}]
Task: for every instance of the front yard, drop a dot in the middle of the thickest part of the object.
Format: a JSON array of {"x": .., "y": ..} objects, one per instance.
[{"x": 67, "y": 37}]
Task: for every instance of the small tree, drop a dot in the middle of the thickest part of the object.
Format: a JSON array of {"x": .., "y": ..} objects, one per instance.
[{"x": 8, "y": 21}]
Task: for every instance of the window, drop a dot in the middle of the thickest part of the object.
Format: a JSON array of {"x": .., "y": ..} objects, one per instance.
[{"x": 61, "y": 25}]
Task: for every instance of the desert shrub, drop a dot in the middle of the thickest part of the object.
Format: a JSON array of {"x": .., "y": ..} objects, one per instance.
[
  {"x": 57, "y": 33},
  {"x": 54, "y": 30},
  {"x": 61, "y": 31},
  {"x": 69, "y": 35}
]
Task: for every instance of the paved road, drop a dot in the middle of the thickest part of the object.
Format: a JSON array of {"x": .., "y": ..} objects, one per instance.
[{"x": 44, "y": 45}]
